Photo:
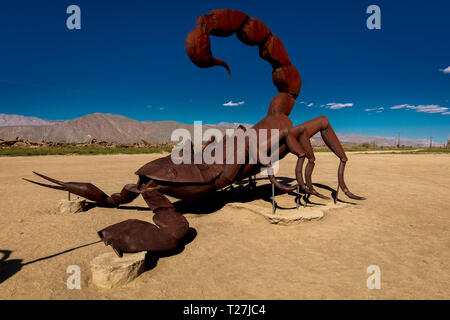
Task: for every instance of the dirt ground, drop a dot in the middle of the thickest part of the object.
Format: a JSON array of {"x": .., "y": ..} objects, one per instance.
[{"x": 403, "y": 227}]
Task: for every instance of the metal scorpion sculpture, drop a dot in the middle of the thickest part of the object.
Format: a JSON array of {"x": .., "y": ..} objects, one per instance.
[{"x": 192, "y": 181}]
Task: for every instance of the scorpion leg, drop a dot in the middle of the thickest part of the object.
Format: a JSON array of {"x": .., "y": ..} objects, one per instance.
[
  {"x": 331, "y": 140},
  {"x": 136, "y": 235},
  {"x": 305, "y": 145},
  {"x": 255, "y": 150},
  {"x": 298, "y": 173}
]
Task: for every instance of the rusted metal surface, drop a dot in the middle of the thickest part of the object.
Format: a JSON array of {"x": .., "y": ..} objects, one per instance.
[{"x": 191, "y": 181}]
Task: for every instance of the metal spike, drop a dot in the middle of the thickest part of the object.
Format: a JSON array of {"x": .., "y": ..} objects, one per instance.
[
  {"x": 45, "y": 185},
  {"x": 49, "y": 179},
  {"x": 337, "y": 192},
  {"x": 273, "y": 199}
]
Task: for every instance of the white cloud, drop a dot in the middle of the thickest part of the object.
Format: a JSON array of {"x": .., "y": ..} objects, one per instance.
[
  {"x": 446, "y": 70},
  {"x": 380, "y": 109},
  {"x": 335, "y": 106},
  {"x": 308, "y": 104},
  {"x": 233, "y": 104},
  {"x": 431, "y": 108},
  {"x": 401, "y": 106},
  {"x": 149, "y": 106}
]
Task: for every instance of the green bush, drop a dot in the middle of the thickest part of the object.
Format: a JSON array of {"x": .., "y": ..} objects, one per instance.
[{"x": 86, "y": 150}]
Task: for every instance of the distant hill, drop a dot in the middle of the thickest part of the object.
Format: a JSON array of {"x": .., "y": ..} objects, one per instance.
[
  {"x": 18, "y": 120},
  {"x": 356, "y": 139},
  {"x": 117, "y": 128},
  {"x": 99, "y": 126},
  {"x": 385, "y": 141}
]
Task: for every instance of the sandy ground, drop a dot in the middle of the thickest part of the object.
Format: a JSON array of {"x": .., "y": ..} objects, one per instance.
[{"x": 403, "y": 227}]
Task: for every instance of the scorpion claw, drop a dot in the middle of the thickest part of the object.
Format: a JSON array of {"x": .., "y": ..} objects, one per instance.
[
  {"x": 49, "y": 179},
  {"x": 46, "y": 185},
  {"x": 82, "y": 189},
  {"x": 118, "y": 252},
  {"x": 133, "y": 235},
  {"x": 108, "y": 243}
]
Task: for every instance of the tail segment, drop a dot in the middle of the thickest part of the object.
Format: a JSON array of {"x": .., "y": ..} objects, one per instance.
[{"x": 251, "y": 31}]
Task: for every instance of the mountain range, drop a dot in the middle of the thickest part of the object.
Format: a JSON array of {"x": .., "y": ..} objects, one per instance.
[
  {"x": 117, "y": 128},
  {"x": 18, "y": 120},
  {"x": 99, "y": 126}
]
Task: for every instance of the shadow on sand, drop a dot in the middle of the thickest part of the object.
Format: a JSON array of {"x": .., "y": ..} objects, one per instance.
[
  {"x": 8, "y": 268},
  {"x": 239, "y": 192}
]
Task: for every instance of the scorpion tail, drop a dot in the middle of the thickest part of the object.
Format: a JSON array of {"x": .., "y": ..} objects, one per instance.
[
  {"x": 251, "y": 31},
  {"x": 199, "y": 50}
]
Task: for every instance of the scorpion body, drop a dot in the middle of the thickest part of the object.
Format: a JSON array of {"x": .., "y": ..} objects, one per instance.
[{"x": 192, "y": 181}]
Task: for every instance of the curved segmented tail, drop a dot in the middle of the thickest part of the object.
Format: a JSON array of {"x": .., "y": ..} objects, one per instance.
[{"x": 251, "y": 31}]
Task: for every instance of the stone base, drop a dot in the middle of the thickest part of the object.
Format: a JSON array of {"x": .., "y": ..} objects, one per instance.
[
  {"x": 289, "y": 216},
  {"x": 109, "y": 271},
  {"x": 71, "y": 206}
]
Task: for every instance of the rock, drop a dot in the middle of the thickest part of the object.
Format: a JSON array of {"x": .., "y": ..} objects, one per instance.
[
  {"x": 109, "y": 271},
  {"x": 71, "y": 206},
  {"x": 289, "y": 216}
]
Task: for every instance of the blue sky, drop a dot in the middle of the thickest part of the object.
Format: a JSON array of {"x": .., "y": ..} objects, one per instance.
[{"x": 129, "y": 58}]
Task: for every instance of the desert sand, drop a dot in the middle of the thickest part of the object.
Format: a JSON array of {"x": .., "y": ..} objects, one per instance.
[{"x": 403, "y": 227}]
